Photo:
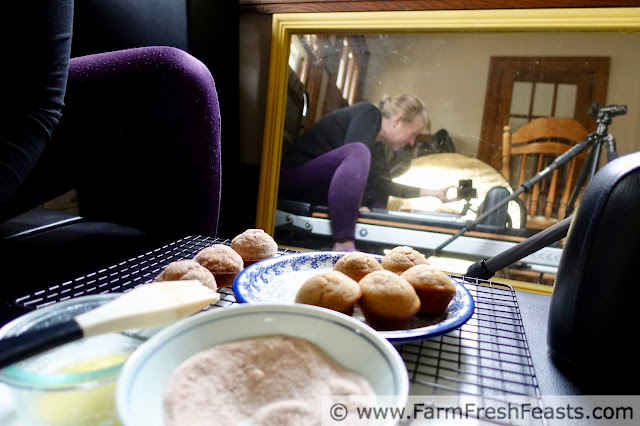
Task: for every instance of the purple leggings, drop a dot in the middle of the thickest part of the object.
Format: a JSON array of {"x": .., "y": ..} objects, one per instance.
[
  {"x": 140, "y": 139},
  {"x": 337, "y": 179}
]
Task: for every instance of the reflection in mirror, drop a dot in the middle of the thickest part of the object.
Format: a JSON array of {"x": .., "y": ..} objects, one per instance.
[{"x": 479, "y": 88}]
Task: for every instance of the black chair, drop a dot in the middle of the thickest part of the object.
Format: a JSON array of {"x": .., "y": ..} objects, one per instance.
[{"x": 41, "y": 248}]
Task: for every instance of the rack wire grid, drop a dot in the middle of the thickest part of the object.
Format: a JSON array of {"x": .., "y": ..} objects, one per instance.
[{"x": 486, "y": 360}]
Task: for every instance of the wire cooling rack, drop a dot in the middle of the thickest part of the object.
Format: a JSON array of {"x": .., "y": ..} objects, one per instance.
[
  {"x": 486, "y": 361},
  {"x": 487, "y": 358}
]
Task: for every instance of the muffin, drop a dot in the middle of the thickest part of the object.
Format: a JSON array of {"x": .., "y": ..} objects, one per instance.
[
  {"x": 331, "y": 289},
  {"x": 401, "y": 258},
  {"x": 223, "y": 262},
  {"x": 187, "y": 269},
  {"x": 388, "y": 301},
  {"x": 357, "y": 264},
  {"x": 434, "y": 288},
  {"x": 254, "y": 245}
]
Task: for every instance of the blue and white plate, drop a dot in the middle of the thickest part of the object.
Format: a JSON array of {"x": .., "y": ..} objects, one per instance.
[{"x": 278, "y": 279}]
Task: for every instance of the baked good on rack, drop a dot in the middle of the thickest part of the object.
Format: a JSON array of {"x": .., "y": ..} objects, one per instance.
[
  {"x": 388, "y": 301},
  {"x": 187, "y": 269},
  {"x": 357, "y": 264},
  {"x": 254, "y": 245},
  {"x": 330, "y": 289},
  {"x": 223, "y": 262},
  {"x": 401, "y": 258},
  {"x": 434, "y": 288}
]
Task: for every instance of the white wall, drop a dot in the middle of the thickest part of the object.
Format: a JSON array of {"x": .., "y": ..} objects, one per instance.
[{"x": 449, "y": 72}]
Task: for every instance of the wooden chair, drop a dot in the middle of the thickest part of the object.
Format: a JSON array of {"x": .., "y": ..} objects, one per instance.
[{"x": 532, "y": 148}]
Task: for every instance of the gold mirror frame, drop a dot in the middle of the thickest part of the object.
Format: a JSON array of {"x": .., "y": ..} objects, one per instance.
[{"x": 286, "y": 24}]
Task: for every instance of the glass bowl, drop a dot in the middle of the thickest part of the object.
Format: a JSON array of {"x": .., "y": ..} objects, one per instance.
[{"x": 73, "y": 384}]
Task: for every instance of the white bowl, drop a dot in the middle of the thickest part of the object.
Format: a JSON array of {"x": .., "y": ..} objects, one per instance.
[{"x": 352, "y": 344}]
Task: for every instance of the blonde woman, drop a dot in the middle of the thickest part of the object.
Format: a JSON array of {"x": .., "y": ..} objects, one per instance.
[{"x": 340, "y": 161}]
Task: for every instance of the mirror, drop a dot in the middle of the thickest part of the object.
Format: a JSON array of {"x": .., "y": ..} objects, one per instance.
[{"x": 453, "y": 61}]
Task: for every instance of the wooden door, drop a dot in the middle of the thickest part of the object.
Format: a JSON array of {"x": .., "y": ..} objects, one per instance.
[{"x": 551, "y": 82}]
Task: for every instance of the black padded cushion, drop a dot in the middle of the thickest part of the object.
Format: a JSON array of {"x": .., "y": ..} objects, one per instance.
[
  {"x": 53, "y": 256},
  {"x": 34, "y": 221}
]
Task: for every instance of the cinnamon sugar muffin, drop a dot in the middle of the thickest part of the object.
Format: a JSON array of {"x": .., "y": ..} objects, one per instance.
[
  {"x": 223, "y": 262},
  {"x": 434, "y": 288},
  {"x": 401, "y": 258},
  {"x": 187, "y": 269},
  {"x": 357, "y": 264},
  {"x": 254, "y": 245},
  {"x": 388, "y": 300},
  {"x": 330, "y": 289}
]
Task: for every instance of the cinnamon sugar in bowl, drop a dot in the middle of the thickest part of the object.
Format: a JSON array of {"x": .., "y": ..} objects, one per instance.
[{"x": 351, "y": 344}]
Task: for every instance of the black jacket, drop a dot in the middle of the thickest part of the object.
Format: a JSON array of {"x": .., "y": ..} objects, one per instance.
[{"x": 357, "y": 123}]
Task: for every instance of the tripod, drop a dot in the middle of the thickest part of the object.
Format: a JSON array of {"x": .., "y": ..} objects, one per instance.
[
  {"x": 525, "y": 187},
  {"x": 603, "y": 116},
  {"x": 486, "y": 268}
]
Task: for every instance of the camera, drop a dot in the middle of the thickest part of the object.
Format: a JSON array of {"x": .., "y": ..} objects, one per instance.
[
  {"x": 466, "y": 191},
  {"x": 598, "y": 111}
]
